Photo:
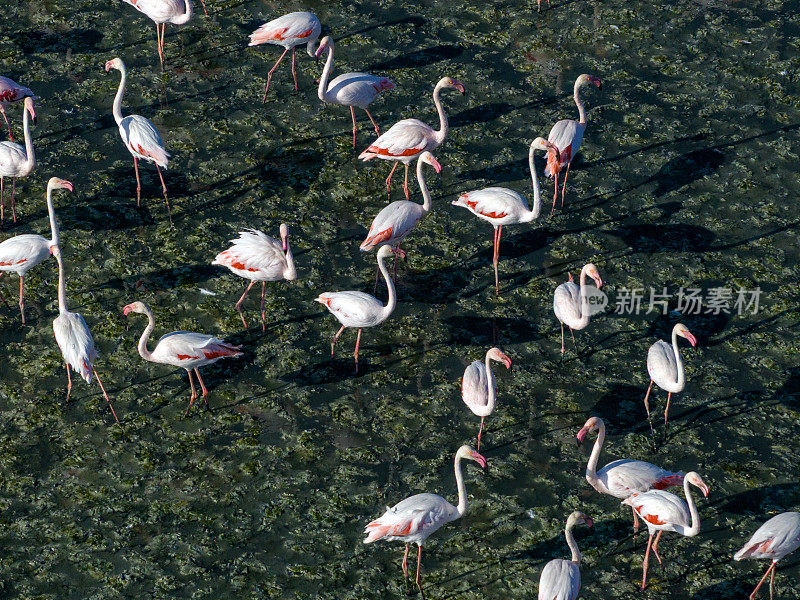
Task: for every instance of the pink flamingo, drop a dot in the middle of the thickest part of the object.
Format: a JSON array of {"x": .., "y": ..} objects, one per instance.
[
  {"x": 11, "y": 91},
  {"x": 289, "y": 31},
  {"x": 774, "y": 539},
  {"x": 502, "y": 206},
  {"x": 406, "y": 139},
  {"x": 567, "y": 135},
  {"x": 161, "y": 12},
  {"x": 561, "y": 579},
  {"x": 70, "y": 330},
  {"x": 17, "y": 161},
  {"x": 663, "y": 511},
  {"x": 257, "y": 257},
  {"x": 478, "y": 387},
  {"x": 571, "y": 304},
  {"x": 183, "y": 349},
  {"x": 621, "y": 478},
  {"x": 665, "y": 366},
  {"x": 357, "y": 309},
  {"x": 350, "y": 89},
  {"x": 23, "y": 252},
  {"x": 414, "y": 519},
  {"x": 139, "y": 135}
]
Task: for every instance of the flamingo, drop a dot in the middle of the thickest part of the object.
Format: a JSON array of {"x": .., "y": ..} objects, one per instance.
[
  {"x": 539, "y": 5},
  {"x": 350, "y": 89},
  {"x": 502, "y": 206},
  {"x": 139, "y": 135},
  {"x": 11, "y": 91},
  {"x": 774, "y": 539},
  {"x": 70, "y": 330},
  {"x": 177, "y": 12},
  {"x": 17, "y": 161},
  {"x": 567, "y": 135},
  {"x": 478, "y": 387},
  {"x": 412, "y": 520},
  {"x": 23, "y": 252},
  {"x": 357, "y": 309},
  {"x": 561, "y": 579},
  {"x": 257, "y": 257},
  {"x": 665, "y": 366},
  {"x": 289, "y": 31},
  {"x": 408, "y": 138},
  {"x": 183, "y": 349},
  {"x": 391, "y": 225},
  {"x": 571, "y": 303},
  {"x": 663, "y": 511},
  {"x": 621, "y": 478}
]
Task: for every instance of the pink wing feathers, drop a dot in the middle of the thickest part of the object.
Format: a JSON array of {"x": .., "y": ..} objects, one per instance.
[
  {"x": 143, "y": 140},
  {"x": 403, "y": 140},
  {"x": 392, "y": 224},
  {"x": 288, "y": 30}
]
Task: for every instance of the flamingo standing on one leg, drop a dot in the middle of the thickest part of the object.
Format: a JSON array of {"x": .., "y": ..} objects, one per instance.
[
  {"x": 23, "y": 252},
  {"x": 414, "y": 519},
  {"x": 567, "y": 135},
  {"x": 621, "y": 478},
  {"x": 17, "y": 161},
  {"x": 350, "y": 89},
  {"x": 11, "y": 91},
  {"x": 177, "y": 12},
  {"x": 139, "y": 135},
  {"x": 70, "y": 330},
  {"x": 663, "y": 511},
  {"x": 289, "y": 31},
  {"x": 357, "y": 309},
  {"x": 478, "y": 387},
  {"x": 571, "y": 304},
  {"x": 183, "y": 349},
  {"x": 502, "y": 206},
  {"x": 774, "y": 539},
  {"x": 561, "y": 579},
  {"x": 665, "y": 366},
  {"x": 257, "y": 257},
  {"x": 408, "y": 138}
]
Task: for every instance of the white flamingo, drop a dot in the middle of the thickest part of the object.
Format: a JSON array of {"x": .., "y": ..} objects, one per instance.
[
  {"x": 665, "y": 366},
  {"x": 11, "y": 91},
  {"x": 561, "y": 579},
  {"x": 571, "y": 303},
  {"x": 17, "y": 161},
  {"x": 478, "y": 387},
  {"x": 775, "y": 539},
  {"x": 161, "y": 12}
]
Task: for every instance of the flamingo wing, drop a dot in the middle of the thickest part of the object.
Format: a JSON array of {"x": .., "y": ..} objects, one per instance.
[
  {"x": 11, "y": 91},
  {"x": 560, "y": 580},
  {"x": 357, "y": 89},
  {"x": 288, "y": 30},
  {"x": 567, "y": 136},
  {"x": 185, "y": 348},
  {"x": 403, "y": 140},
  {"x": 776, "y": 538},
  {"x": 159, "y": 11},
  {"x": 392, "y": 224},
  {"x": 567, "y": 302},
  {"x": 660, "y": 508},
  {"x": 76, "y": 343},
  {"x": 622, "y": 477},
  {"x": 353, "y": 309},
  {"x": 413, "y": 519},
  {"x": 12, "y": 155},
  {"x": 23, "y": 252},
  {"x": 143, "y": 140},
  {"x": 475, "y": 385},
  {"x": 493, "y": 203},
  {"x": 661, "y": 363},
  {"x": 254, "y": 252}
]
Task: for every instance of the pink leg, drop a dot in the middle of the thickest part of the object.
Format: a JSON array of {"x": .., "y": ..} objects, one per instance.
[
  {"x": 194, "y": 393},
  {"x": 158, "y": 44},
  {"x": 69, "y": 381},
  {"x": 13, "y": 200},
  {"x": 772, "y": 582},
  {"x": 138, "y": 183},
  {"x": 105, "y": 395},
  {"x": 564, "y": 185},
  {"x": 572, "y": 333},
  {"x": 21, "y": 301},
  {"x": 666, "y": 410},
  {"x": 389, "y": 180},
  {"x": 646, "y": 399},
  {"x": 646, "y": 561},
  {"x": 404, "y": 566},
  {"x": 635, "y": 521},
  {"x": 336, "y": 337},
  {"x": 164, "y": 188},
  {"x": 263, "y": 321},
  {"x": 497, "y": 260},
  {"x": 239, "y": 303},
  {"x": 555, "y": 191},
  {"x": 374, "y": 124},
  {"x": 355, "y": 354},
  {"x": 562, "y": 339},
  {"x": 203, "y": 2},
  {"x": 405, "y": 185},
  {"x": 269, "y": 75},
  {"x": 480, "y": 431},
  {"x": 419, "y": 563},
  {"x": 655, "y": 546},
  {"x": 294, "y": 74},
  {"x": 770, "y": 570},
  {"x": 355, "y": 128},
  {"x": 202, "y": 386},
  {"x": 10, "y": 135}
]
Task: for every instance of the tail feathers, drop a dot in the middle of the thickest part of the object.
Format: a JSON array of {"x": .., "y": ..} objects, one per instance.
[
  {"x": 375, "y": 239},
  {"x": 263, "y": 35},
  {"x": 760, "y": 547},
  {"x": 222, "y": 351},
  {"x": 376, "y": 530},
  {"x": 669, "y": 481}
]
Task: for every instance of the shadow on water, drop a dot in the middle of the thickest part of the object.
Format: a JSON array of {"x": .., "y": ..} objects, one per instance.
[
  {"x": 470, "y": 330},
  {"x": 76, "y": 40},
  {"x": 418, "y": 58}
]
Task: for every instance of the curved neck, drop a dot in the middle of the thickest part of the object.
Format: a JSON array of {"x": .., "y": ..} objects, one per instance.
[
  {"x": 678, "y": 360},
  {"x": 591, "y": 466},
  {"x": 423, "y": 187},
  {"x": 55, "y": 233},
  {"x": 462, "y": 490},
  {"x": 30, "y": 157},
  {"x": 184, "y": 18},
  {"x": 492, "y": 398},
  {"x": 695, "y": 528},
  {"x": 444, "y": 127},
  {"x": 289, "y": 272},
  {"x": 117, "y": 109},
  {"x": 151, "y": 324},
  {"x": 584, "y": 307},
  {"x": 579, "y": 103},
  {"x": 537, "y": 196},
  {"x": 322, "y": 91},
  {"x": 573, "y": 545},
  {"x": 392, "y": 301},
  {"x": 62, "y": 286}
]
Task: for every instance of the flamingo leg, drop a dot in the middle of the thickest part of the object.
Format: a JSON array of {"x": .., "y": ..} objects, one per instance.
[
  {"x": 655, "y": 546},
  {"x": 405, "y": 185},
  {"x": 203, "y": 2},
  {"x": 555, "y": 189},
  {"x": 497, "y": 261},
  {"x": 419, "y": 563},
  {"x": 404, "y": 566},
  {"x": 105, "y": 395},
  {"x": 138, "y": 183},
  {"x": 21, "y": 301},
  {"x": 646, "y": 561},
  {"x": 263, "y": 321},
  {"x": 564, "y": 185},
  {"x": 239, "y": 303},
  {"x": 269, "y": 75},
  {"x": 355, "y": 354},
  {"x": 294, "y": 73},
  {"x": 2, "y": 204},
  {"x": 13, "y": 200},
  {"x": 202, "y": 385},
  {"x": 164, "y": 188},
  {"x": 562, "y": 339},
  {"x": 158, "y": 44},
  {"x": 666, "y": 410},
  {"x": 336, "y": 337},
  {"x": 769, "y": 571},
  {"x": 389, "y": 181},
  {"x": 374, "y": 124},
  {"x": 480, "y": 431},
  {"x": 772, "y": 582},
  {"x": 635, "y": 521},
  {"x": 69, "y": 381},
  {"x": 355, "y": 128},
  {"x": 194, "y": 393},
  {"x": 574, "y": 343},
  {"x": 3, "y": 111},
  {"x": 646, "y": 397}
]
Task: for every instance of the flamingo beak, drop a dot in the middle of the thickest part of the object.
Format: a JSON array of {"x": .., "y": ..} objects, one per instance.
[
  {"x": 588, "y": 520},
  {"x": 319, "y": 51},
  {"x": 597, "y": 82},
  {"x": 598, "y": 281},
  {"x": 108, "y": 65},
  {"x": 692, "y": 340},
  {"x": 127, "y": 310},
  {"x": 479, "y": 459},
  {"x": 704, "y": 489},
  {"x": 66, "y": 185},
  {"x": 32, "y": 112},
  {"x": 581, "y": 435},
  {"x": 50, "y": 249},
  {"x": 506, "y": 361},
  {"x": 435, "y": 164},
  {"x": 460, "y": 87}
]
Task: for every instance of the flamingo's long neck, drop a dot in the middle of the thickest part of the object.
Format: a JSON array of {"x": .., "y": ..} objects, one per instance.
[
  {"x": 55, "y": 233},
  {"x": 142, "y": 347},
  {"x": 322, "y": 90},
  {"x": 678, "y": 361},
  {"x": 423, "y": 187},
  {"x": 444, "y": 126},
  {"x": 695, "y": 528},
  {"x": 537, "y": 196},
  {"x": 591, "y": 466},
  {"x": 573, "y": 545},
  {"x": 584, "y": 307},
  {"x": 462, "y": 489},
  {"x": 392, "y": 301},
  {"x": 184, "y": 18},
  {"x": 576, "y": 94},
  {"x": 492, "y": 391},
  {"x": 117, "y": 109},
  {"x": 62, "y": 286},
  {"x": 30, "y": 157},
  {"x": 289, "y": 272}
]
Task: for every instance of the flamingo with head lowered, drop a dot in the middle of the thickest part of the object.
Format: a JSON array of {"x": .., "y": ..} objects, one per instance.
[
  {"x": 774, "y": 540},
  {"x": 561, "y": 579},
  {"x": 414, "y": 519},
  {"x": 350, "y": 89},
  {"x": 177, "y": 12},
  {"x": 665, "y": 366},
  {"x": 407, "y": 139},
  {"x": 571, "y": 303},
  {"x": 11, "y": 91},
  {"x": 502, "y": 206},
  {"x": 478, "y": 387},
  {"x": 17, "y": 161}
]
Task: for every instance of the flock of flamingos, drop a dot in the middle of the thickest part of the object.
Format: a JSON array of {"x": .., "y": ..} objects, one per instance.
[{"x": 257, "y": 257}]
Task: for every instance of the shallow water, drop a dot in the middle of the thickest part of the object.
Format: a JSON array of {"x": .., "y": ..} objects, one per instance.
[{"x": 688, "y": 176}]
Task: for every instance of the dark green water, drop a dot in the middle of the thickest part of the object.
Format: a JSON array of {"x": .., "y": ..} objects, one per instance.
[{"x": 688, "y": 176}]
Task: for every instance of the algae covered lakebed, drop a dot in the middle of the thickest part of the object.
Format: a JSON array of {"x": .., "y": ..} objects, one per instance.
[{"x": 687, "y": 178}]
